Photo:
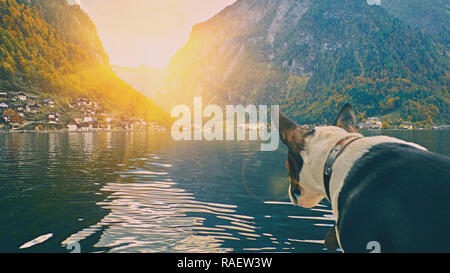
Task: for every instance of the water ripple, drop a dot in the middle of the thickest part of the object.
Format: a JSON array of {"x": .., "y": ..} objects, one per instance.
[{"x": 149, "y": 213}]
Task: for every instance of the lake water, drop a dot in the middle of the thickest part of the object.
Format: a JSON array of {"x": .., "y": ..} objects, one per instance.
[{"x": 143, "y": 192}]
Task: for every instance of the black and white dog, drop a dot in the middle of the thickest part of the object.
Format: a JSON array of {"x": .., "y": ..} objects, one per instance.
[{"x": 381, "y": 189}]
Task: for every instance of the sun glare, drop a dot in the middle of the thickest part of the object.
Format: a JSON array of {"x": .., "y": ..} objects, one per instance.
[{"x": 148, "y": 32}]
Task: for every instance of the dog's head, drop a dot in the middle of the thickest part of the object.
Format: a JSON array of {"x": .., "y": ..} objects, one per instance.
[{"x": 306, "y": 149}]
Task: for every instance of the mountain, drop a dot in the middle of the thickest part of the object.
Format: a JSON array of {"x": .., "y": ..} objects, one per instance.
[
  {"x": 52, "y": 49},
  {"x": 310, "y": 57},
  {"x": 71, "y": 22},
  {"x": 430, "y": 16}
]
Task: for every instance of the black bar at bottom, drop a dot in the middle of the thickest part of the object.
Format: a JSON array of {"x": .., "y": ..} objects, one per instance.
[{"x": 226, "y": 262}]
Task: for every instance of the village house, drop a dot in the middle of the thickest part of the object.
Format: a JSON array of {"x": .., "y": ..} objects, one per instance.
[
  {"x": 15, "y": 125},
  {"x": 373, "y": 123},
  {"x": 21, "y": 96},
  {"x": 405, "y": 126},
  {"x": 4, "y": 105},
  {"x": 19, "y": 107},
  {"x": 442, "y": 127},
  {"x": 84, "y": 102},
  {"x": 3, "y": 96},
  {"x": 129, "y": 125},
  {"x": 140, "y": 123},
  {"x": 86, "y": 127},
  {"x": 52, "y": 118},
  {"x": 9, "y": 115},
  {"x": 14, "y": 96},
  {"x": 72, "y": 126},
  {"x": 32, "y": 98},
  {"x": 49, "y": 102},
  {"x": 88, "y": 119},
  {"x": 33, "y": 108}
]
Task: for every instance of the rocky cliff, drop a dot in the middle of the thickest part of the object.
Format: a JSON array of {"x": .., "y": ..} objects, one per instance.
[{"x": 310, "y": 57}]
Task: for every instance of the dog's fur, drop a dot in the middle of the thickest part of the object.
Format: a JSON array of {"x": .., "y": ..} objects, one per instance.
[{"x": 382, "y": 189}]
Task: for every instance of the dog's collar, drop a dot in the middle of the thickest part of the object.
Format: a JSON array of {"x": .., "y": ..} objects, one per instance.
[{"x": 334, "y": 154}]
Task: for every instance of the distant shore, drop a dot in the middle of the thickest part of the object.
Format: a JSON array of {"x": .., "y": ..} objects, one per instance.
[
  {"x": 165, "y": 131},
  {"x": 87, "y": 131}
]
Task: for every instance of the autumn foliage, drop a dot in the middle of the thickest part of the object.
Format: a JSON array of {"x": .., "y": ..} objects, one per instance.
[{"x": 37, "y": 57}]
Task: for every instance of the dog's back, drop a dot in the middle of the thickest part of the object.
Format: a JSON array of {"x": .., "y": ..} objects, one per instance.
[{"x": 398, "y": 196}]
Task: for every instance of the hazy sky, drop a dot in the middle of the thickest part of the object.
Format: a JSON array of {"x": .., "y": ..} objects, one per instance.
[{"x": 147, "y": 32}]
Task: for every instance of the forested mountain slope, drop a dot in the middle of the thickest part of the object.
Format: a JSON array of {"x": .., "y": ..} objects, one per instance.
[
  {"x": 310, "y": 57},
  {"x": 51, "y": 48}
]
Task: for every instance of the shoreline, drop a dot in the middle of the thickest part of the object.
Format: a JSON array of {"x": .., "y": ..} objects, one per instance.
[
  {"x": 88, "y": 131},
  {"x": 165, "y": 131}
]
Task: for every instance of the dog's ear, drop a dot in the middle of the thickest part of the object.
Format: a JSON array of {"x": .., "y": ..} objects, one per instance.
[
  {"x": 346, "y": 119},
  {"x": 291, "y": 134}
]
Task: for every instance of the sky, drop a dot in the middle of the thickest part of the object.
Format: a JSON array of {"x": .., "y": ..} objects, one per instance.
[{"x": 147, "y": 32}]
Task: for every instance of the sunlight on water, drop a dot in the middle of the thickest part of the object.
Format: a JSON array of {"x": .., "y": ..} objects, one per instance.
[
  {"x": 150, "y": 212},
  {"x": 153, "y": 215},
  {"x": 36, "y": 241}
]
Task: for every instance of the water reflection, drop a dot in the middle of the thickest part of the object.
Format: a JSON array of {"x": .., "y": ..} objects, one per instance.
[
  {"x": 148, "y": 213},
  {"x": 435, "y": 141}
]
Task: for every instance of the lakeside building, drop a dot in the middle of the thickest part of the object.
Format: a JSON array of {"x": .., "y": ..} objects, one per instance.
[
  {"x": 85, "y": 115},
  {"x": 72, "y": 126},
  {"x": 372, "y": 123},
  {"x": 406, "y": 126},
  {"x": 88, "y": 119},
  {"x": 442, "y": 127}
]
